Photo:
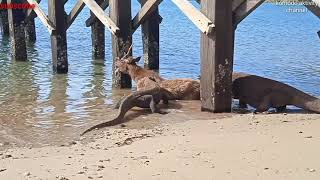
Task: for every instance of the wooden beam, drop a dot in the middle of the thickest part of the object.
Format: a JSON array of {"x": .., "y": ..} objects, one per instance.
[
  {"x": 201, "y": 21},
  {"x": 120, "y": 13},
  {"x": 313, "y": 8},
  {"x": 58, "y": 39},
  {"x": 142, "y": 15},
  {"x": 217, "y": 57},
  {"x": 151, "y": 39},
  {"x": 75, "y": 12},
  {"x": 235, "y": 3},
  {"x": 17, "y": 34},
  {"x": 43, "y": 17},
  {"x": 30, "y": 14},
  {"x": 98, "y": 38},
  {"x": 104, "y": 18},
  {"x": 245, "y": 9},
  {"x": 93, "y": 18}
]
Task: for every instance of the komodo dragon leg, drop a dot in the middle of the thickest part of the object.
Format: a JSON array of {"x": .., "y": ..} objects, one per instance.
[{"x": 264, "y": 104}]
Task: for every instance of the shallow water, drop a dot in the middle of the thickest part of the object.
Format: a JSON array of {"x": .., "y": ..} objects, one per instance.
[{"x": 39, "y": 108}]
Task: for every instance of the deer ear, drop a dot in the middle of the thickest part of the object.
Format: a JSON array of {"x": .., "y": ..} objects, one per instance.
[{"x": 137, "y": 59}]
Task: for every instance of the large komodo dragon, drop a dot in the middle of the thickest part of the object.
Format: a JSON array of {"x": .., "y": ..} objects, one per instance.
[
  {"x": 143, "y": 99},
  {"x": 263, "y": 93},
  {"x": 260, "y": 93}
]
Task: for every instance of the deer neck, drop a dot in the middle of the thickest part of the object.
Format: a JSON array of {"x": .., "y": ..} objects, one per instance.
[{"x": 135, "y": 72}]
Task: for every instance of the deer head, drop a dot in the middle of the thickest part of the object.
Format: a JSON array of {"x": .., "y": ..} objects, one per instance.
[{"x": 123, "y": 65}]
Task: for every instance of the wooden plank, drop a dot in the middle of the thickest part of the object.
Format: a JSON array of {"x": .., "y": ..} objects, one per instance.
[
  {"x": 245, "y": 9},
  {"x": 204, "y": 24},
  {"x": 43, "y": 17},
  {"x": 120, "y": 13},
  {"x": 30, "y": 12},
  {"x": 151, "y": 39},
  {"x": 17, "y": 34},
  {"x": 313, "y": 8},
  {"x": 93, "y": 18},
  {"x": 98, "y": 38},
  {"x": 58, "y": 39},
  {"x": 142, "y": 15},
  {"x": 75, "y": 12},
  {"x": 217, "y": 57},
  {"x": 4, "y": 20},
  {"x": 104, "y": 18},
  {"x": 235, "y": 3}
]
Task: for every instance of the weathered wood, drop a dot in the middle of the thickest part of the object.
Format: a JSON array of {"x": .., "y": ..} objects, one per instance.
[
  {"x": 17, "y": 34},
  {"x": 245, "y": 9},
  {"x": 204, "y": 24},
  {"x": 150, "y": 39},
  {"x": 98, "y": 38},
  {"x": 120, "y": 13},
  {"x": 93, "y": 18},
  {"x": 217, "y": 57},
  {"x": 235, "y": 3},
  {"x": 144, "y": 12},
  {"x": 4, "y": 20},
  {"x": 43, "y": 17},
  {"x": 59, "y": 39},
  {"x": 103, "y": 17},
  {"x": 30, "y": 14},
  {"x": 314, "y": 9},
  {"x": 30, "y": 30},
  {"x": 75, "y": 12}
]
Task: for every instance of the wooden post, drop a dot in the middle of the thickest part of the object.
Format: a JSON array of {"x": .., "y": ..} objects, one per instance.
[
  {"x": 30, "y": 30},
  {"x": 98, "y": 37},
  {"x": 59, "y": 38},
  {"x": 120, "y": 13},
  {"x": 4, "y": 20},
  {"x": 217, "y": 57},
  {"x": 150, "y": 39},
  {"x": 17, "y": 35}
]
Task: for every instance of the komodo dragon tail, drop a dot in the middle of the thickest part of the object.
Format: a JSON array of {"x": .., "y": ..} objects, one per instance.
[
  {"x": 307, "y": 102},
  {"x": 126, "y": 105}
]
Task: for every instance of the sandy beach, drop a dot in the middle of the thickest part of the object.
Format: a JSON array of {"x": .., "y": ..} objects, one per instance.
[{"x": 186, "y": 144}]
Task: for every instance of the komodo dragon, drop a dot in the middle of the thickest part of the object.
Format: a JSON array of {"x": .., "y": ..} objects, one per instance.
[
  {"x": 143, "y": 99},
  {"x": 263, "y": 93}
]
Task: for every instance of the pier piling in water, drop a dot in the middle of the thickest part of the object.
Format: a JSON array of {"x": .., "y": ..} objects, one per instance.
[
  {"x": 30, "y": 30},
  {"x": 151, "y": 38},
  {"x": 59, "y": 37},
  {"x": 98, "y": 37},
  {"x": 120, "y": 14},
  {"x": 217, "y": 57},
  {"x": 17, "y": 35},
  {"x": 4, "y": 20}
]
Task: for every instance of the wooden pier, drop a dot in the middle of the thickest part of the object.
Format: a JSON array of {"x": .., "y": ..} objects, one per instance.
[{"x": 216, "y": 20}]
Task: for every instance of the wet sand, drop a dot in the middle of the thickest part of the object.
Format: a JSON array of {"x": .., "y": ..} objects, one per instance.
[{"x": 184, "y": 144}]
